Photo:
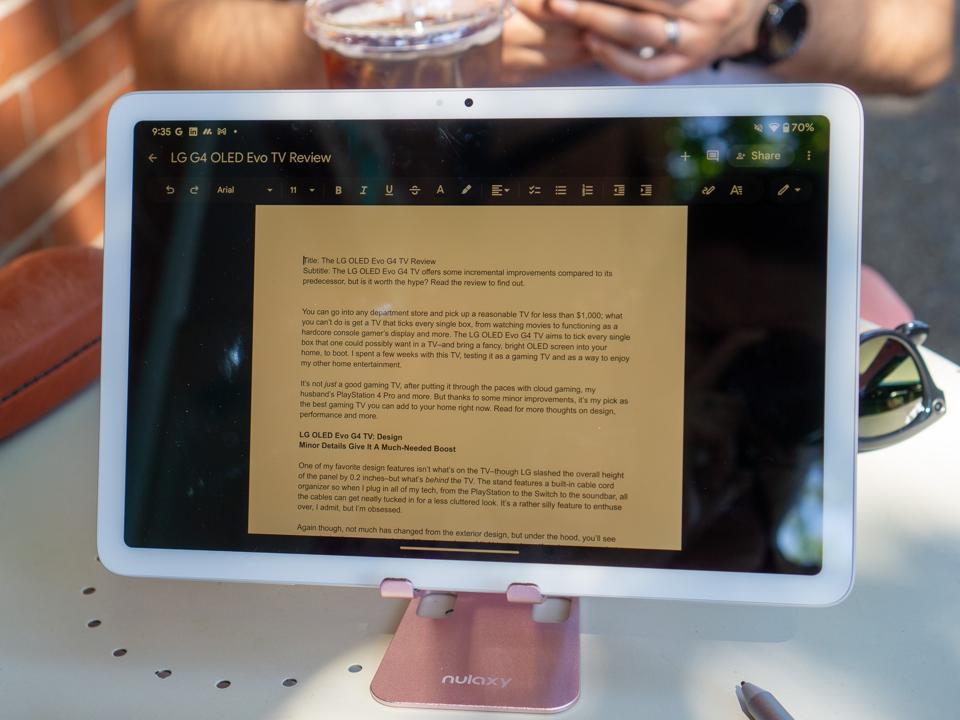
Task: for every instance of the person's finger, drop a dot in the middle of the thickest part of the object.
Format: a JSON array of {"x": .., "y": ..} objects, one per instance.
[
  {"x": 524, "y": 32},
  {"x": 536, "y": 9},
  {"x": 667, "y": 8},
  {"x": 628, "y": 27},
  {"x": 520, "y": 29},
  {"x": 629, "y": 63}
]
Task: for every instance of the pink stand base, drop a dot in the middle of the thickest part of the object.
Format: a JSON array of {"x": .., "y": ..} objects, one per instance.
[{"x": 488, "y": 653}]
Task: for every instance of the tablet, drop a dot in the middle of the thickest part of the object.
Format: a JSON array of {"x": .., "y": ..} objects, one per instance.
[{"x": 602, "y": 340}]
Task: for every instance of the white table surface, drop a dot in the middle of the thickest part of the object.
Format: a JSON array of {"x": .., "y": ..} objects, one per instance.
[{"x": 890, "y": 652}]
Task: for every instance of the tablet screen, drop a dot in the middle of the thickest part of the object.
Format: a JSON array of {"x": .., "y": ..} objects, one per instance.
[{"x": 577, "y": 341}]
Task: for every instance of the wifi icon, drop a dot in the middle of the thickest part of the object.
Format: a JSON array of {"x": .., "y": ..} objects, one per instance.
[{"x": 774, "y": 126}]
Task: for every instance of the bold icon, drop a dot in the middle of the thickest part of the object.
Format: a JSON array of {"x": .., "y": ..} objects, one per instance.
[
  {"x": 170, "y": 189},
  {"x": 783, "y": 191},
  {"x": 685, "y": 156},
  {"x": 293, "y": 189},
  {"x": 194, "y": 189},
  {"x": 440, "y": 190},
  {"x": 774, "y": 126},
  {"x": 192, "y": 131},
  {"x": 208, "y": 131},
  {"x": 646, "y": 191},
  {"x": 619, "y": 189},
  {"x": 363, "y": 190},
  {"x": 737, "y": 190},
  {"x": 713, "y": 155},
  {"x": 152, "y": 158},
  {"x": 338, "y": 189},
  {"x": 758, "y": 127},
  {"x": 534, "y": 190},
  {"x": 497, "y": 190},
  {"x": 560, "y": 190},
  {"x": 222, "y": 131},
  {"x": 388, "y": 190},
  {"x": 586, "y": 190},
  {"x": 466, "y": 188},
  {"x": 414, "y": 190},
  {"x": 707, "y": 190}
]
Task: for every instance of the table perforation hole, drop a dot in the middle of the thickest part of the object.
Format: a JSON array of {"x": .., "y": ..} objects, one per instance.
[
  {"x": 163, "y": 674},
  {"x": 88, "y": 590},
  {"x": 94, "y": 623},
  {"x": 119, "y": 652},
  {"x": 355, "y": 668},
  {"x": 223, "y": 684},
  {"x": 289, "y": 682}
]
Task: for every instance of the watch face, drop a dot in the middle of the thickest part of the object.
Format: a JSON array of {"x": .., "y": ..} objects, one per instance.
[{"x": 787, "y": 26}]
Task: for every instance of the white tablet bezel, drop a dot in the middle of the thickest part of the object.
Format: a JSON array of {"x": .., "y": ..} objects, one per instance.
[{"x": 838, "y": 104}]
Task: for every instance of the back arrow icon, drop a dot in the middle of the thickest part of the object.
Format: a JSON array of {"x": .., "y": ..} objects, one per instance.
[{"x": 151, "y": 157}]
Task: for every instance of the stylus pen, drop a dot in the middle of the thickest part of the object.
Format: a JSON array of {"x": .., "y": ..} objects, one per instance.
[{"x": 761, "y": 704}]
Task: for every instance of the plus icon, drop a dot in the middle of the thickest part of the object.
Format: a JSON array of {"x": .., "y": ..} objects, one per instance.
[{"x": 685, "y": 156}]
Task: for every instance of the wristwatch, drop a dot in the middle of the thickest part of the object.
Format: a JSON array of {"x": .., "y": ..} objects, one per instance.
[{"x": 782, "y": 28}]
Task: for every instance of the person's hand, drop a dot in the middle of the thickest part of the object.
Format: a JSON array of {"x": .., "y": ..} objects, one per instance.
[
  {"x": 537, "y": 42},
  {"x": 652, "y": 40}
]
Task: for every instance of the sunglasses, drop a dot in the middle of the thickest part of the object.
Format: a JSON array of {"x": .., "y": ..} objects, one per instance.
[{"x": 898, "y": 397}]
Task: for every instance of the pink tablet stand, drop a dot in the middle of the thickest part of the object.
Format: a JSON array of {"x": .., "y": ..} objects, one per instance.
[{"x": 518, "y": 652}]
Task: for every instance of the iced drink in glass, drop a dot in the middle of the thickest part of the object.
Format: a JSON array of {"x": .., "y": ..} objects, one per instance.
[{"x": 408, "y": 43}]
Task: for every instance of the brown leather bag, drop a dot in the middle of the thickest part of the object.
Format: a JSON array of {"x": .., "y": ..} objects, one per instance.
[{"x": 50, "y": 302}]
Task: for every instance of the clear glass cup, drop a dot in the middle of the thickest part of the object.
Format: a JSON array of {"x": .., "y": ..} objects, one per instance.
[{"x": 408, "y": 43}]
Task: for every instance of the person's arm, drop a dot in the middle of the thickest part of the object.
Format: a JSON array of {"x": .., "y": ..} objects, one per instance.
[
  {"x": 899, "y": 46},
  {"x": 213, "y": 44},
  {"x": 876, "y": 46}
]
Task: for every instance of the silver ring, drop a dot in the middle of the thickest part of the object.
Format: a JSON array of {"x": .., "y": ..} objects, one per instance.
[
  {"x": 672, "y": 29},
  {"x": 647, "y": 52}
]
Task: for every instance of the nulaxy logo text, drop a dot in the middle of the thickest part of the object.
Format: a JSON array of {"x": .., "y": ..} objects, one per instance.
[{"x": 475, "y": 680}]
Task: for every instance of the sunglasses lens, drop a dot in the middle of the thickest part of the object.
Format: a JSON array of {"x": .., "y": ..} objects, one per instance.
[{"x": 891, "y": 387}]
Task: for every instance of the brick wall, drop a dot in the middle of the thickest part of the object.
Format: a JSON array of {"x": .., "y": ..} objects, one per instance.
[{"x": 62, "y": 63}]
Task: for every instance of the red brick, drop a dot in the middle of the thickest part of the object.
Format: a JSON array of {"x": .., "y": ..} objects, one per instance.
[
  {"x": 26, "y": 35},
  {"x": 92, "y": 135},
  {"x": 80, "y": 13},
  {"x": 81, "y": 223},
  {"x": 57, "y": 92},
  {"x": 35, "y": 245},
  {"x": 38, "y": 187},
  {"x": 12, "y": 132}
]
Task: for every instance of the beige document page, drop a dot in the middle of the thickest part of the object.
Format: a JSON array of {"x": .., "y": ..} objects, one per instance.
[{"x": 469, "y": 374}]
